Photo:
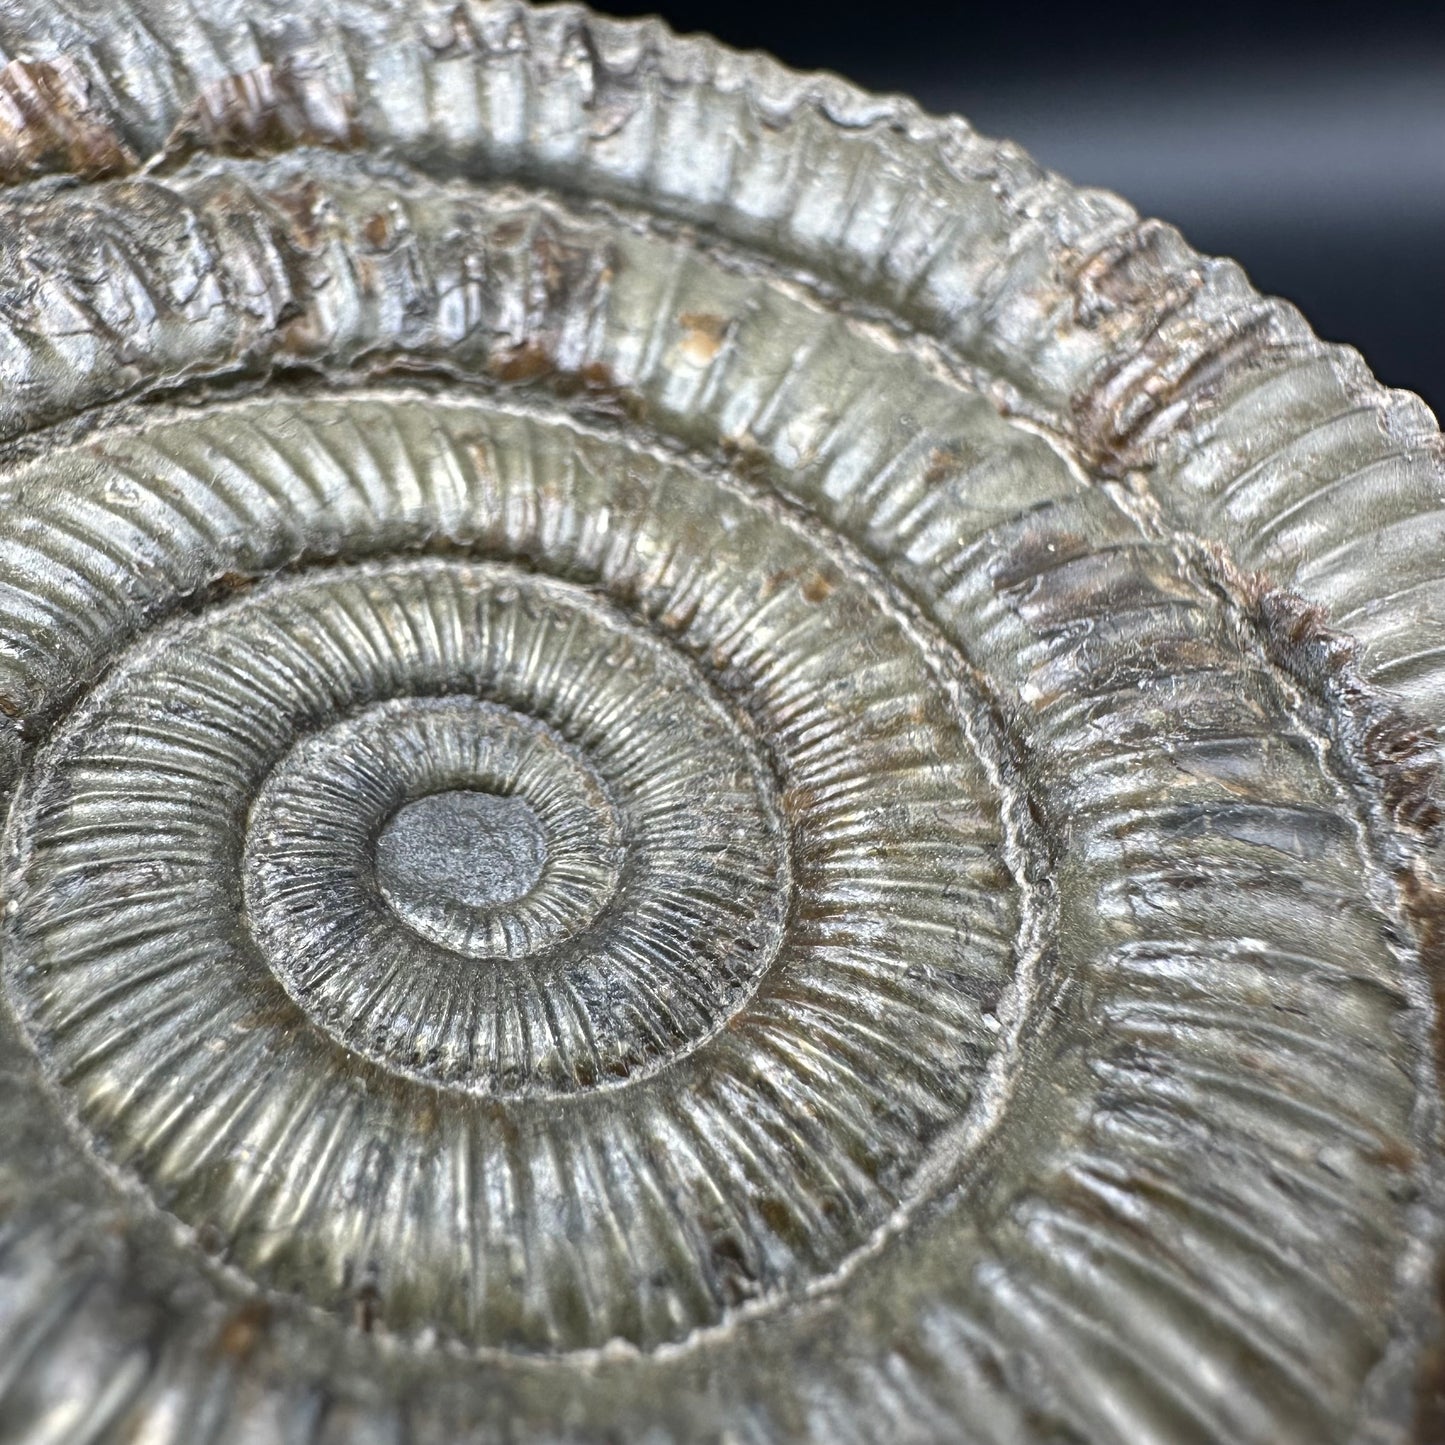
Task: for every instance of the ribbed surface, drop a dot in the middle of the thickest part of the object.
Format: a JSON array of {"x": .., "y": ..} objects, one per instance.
[
  {"x": 379, "y": 803},
  {"x": 961, "y": 991},
  {"x": 1111, "y": 330},
  {"x": 131, "y": 870}
]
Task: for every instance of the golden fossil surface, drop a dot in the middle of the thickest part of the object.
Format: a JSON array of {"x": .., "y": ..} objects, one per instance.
[{"x": 688, "y": 757}]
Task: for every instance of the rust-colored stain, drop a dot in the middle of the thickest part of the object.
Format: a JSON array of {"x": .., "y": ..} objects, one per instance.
[
  {"x": 49, "y": 124},
  {"x": 747, "y": 457},
  {"x": 703, "y": 334},
  {"x": 366, "y": 1308},
  {"x": 453, "y": 36},
  {"x": 944, "y": 463},
  {"x": 977, "y": 822},
  {"x": 530, "y": 361},
  {"x": 302, "y": 203},
  {"x": 1165, "y": 383},
  {"x": 1134, "y": 270},
  {"x": 816, "y": 587},
  {"x": 1399, "y": 751},
  {"x": 378, "y": 230},
  {"x": 265, "y": 111},
  {"x": 1036, "y": 552},
  {"x": 1404, "y": 757},
  {"x": 1395, "y": 1153},
  {"x": 598, "y": 390},
  {"x": 1424, "y": 903},
  {"x": 243, "y": 1331}
]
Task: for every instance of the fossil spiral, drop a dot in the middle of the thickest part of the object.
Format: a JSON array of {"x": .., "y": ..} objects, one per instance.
[{"x": 688, "y": 757}]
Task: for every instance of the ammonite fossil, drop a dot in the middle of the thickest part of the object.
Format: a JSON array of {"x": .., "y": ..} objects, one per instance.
[{"x": 688, "y": 758}]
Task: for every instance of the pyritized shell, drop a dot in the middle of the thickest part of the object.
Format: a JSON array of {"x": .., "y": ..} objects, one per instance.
[{"x": 688, "y": 758}]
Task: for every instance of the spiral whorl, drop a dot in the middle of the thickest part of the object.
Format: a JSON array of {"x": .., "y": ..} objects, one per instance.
[{"x": 650, "y": 796}]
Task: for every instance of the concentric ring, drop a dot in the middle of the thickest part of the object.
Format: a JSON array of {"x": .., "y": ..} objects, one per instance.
[
  {"x": 694, "y": 904},
  {"x": 1065, "y": 1069},
  {"x": 359, "y": 818},
  {"x": 196, "y": 852}
]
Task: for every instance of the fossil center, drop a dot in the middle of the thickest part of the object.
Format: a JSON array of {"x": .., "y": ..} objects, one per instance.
[{"x": 470, "y": 848}]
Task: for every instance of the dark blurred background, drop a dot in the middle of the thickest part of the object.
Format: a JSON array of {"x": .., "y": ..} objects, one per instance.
[{"x": 1305, "y": 140}]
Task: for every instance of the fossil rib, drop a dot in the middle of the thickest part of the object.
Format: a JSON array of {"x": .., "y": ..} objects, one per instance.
[{"x": 688, "y": 757}]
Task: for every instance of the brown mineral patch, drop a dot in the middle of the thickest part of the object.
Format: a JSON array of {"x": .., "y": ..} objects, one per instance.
[
  {"x": 528, "y": 362},
  {"x": 1430, "y": 1391},
  {"x": 211, "y": 1238},
  {"x": 774, "y": 582},
  {"x": 943, "y": 463},
  {"x": 1163, "y": 386},
  {"x": 1425, "y": 907},
  {"x": 1038, "y": 551},
  {"x": 599, "y": 391},
  {"x": 1403, "y": 756},
  {"x": 747, "y": 458},
  {"x": 776, "y": 1215},
  {"x": 243, "y": 1331},
  {"x": 451, "y": 35},
  {"x": 798, "y": 800},
  {"x": 478, "y": 449},
  {"x": 1396, "y": 1154},
  {"x": 48, "y": 124},
  {"x": 366, "y": 1308},
  {"x": 597, "y": 377},
  {"x": 1424, "y": 902},
  {"x": 703, "y": 334},
  {"x": 816, "y": 588},
  {"x": 228, "y": 584},
  {"x": 1400, "y": 752},
  {"x": 283, "y": 1015},
  {"x": 378, "y": 230},
  {"x": 302, "y": 204},
  {"x": 1134, "y": 271},
  {"x": 265, "y": 111}
]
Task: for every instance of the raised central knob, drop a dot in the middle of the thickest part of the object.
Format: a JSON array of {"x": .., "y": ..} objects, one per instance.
[{"x": 461, "y": 847}]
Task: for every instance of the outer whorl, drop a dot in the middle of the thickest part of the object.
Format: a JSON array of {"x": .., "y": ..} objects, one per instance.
[{"x": 687, "y": 757}]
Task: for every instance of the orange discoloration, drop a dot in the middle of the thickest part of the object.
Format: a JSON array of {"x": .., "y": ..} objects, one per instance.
[
  {"x": 1399, "y": 751},
  {"x": 943, "y": 463},
  {"x": 1424, "y": 902},
  {"x": 814, "y": 585},
  {"x": 303, "y": 204},
  {"x": 703, "y": 334}
]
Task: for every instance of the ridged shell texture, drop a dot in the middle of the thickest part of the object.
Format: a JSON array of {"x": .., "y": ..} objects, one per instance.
[{"x": 688, "y": 758}]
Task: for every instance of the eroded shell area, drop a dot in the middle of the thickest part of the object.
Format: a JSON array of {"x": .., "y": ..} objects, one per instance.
[{"x": 650, "y": 796}]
